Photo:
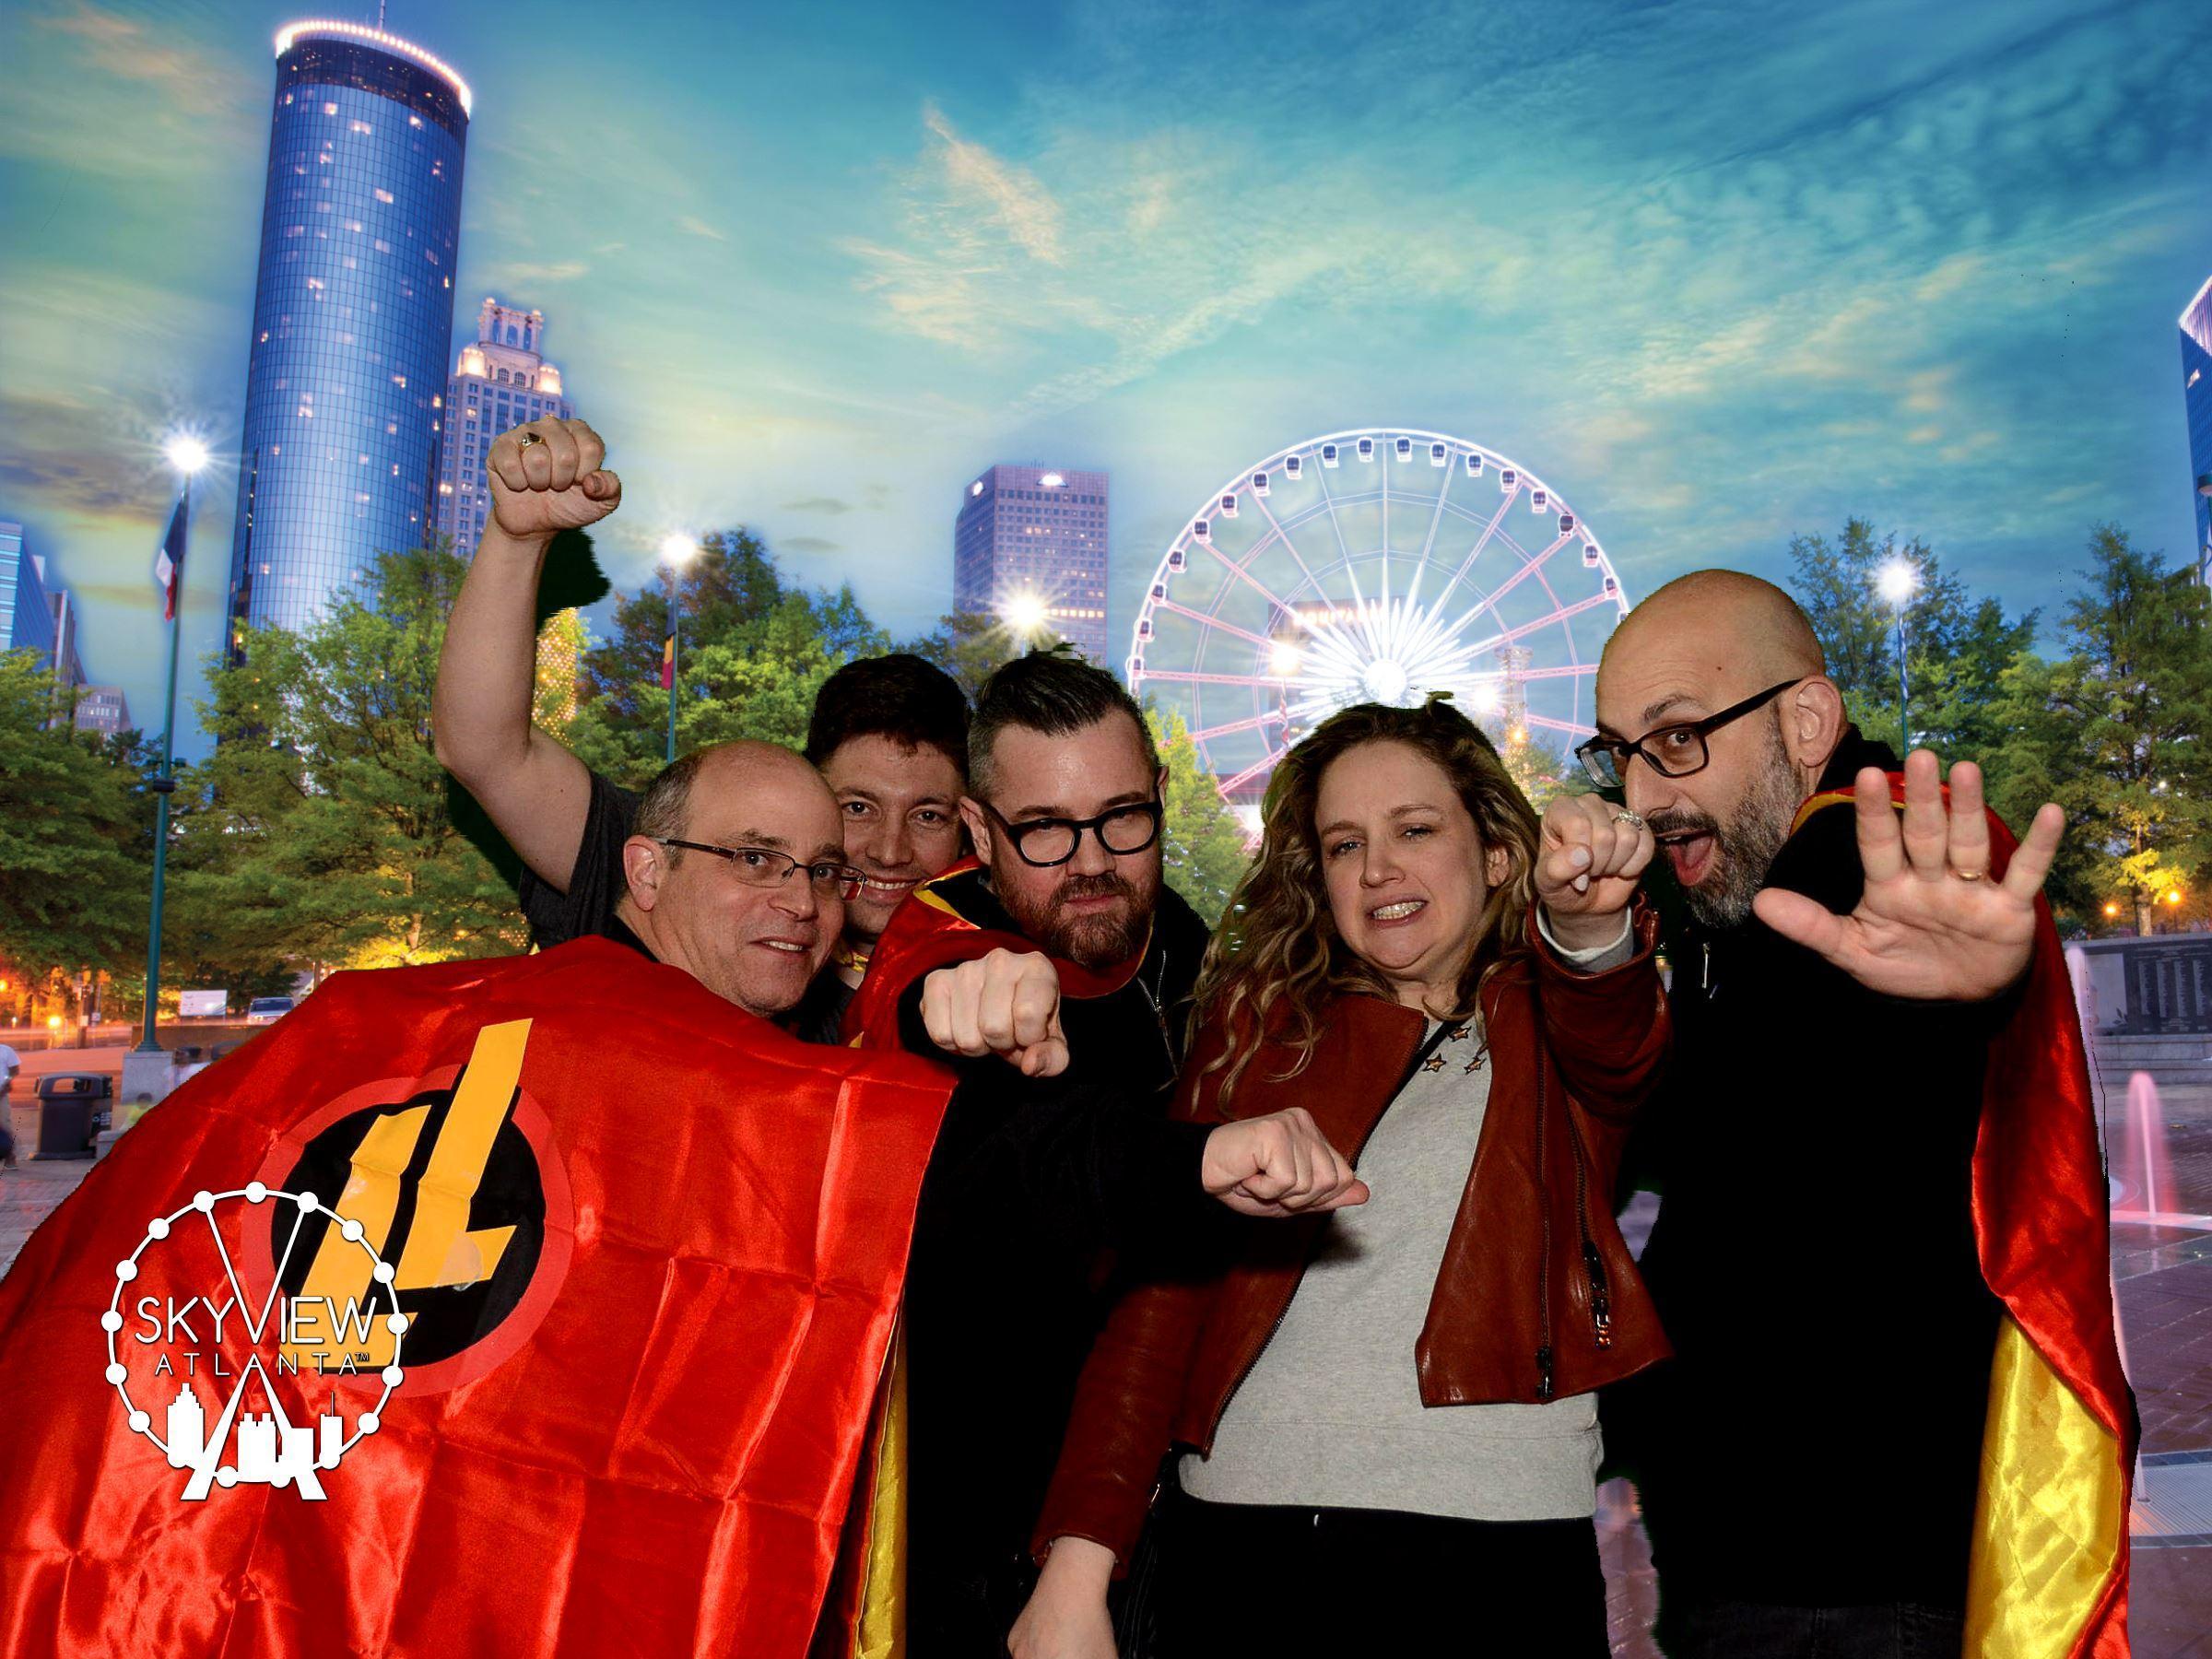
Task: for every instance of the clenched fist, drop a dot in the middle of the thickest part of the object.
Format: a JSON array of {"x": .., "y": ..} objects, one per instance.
[
  {"x": 546, "y": 476},
  {"x": 1278, "y": 1165},
  {"x": 1592, "y": 856},
  {"x": 1006, "y": 1003}
]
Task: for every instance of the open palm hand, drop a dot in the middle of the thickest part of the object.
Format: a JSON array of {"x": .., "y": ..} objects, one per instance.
[{"x": 1932, "y": 923}]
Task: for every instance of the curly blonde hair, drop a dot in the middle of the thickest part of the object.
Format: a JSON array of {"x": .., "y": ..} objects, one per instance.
[{"x": 1279, "y": 957}]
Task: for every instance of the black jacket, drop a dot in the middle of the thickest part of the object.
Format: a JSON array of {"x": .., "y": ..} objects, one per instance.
[
  {"x": 1816, "y": 1441},
  {"x": 1033, "y": 1182}
]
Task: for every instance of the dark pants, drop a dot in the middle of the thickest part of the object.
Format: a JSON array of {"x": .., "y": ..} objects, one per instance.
[
  {"x": 1725, "y": 1630},
  {"x": 1257, "y": 1579}
]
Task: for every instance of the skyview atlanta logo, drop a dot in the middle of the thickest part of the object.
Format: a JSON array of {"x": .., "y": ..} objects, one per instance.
[
  {"x": 255, "y": 1335},
  {"x": 270, "y": 1447}
]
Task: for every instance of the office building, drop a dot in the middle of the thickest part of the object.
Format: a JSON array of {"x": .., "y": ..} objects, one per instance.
[
  {"x": 2196, "y": 392},
  {"x": 1032, "y": 540},
  {"x": 353, "y": 314},
  {"x": 26, "y": 609},
  {"x": 502, "y": 382},
  {"x": 102, "y": 709}
]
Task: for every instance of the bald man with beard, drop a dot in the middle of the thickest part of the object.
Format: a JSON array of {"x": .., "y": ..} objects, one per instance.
[{"x": 1808, "y": 1463}]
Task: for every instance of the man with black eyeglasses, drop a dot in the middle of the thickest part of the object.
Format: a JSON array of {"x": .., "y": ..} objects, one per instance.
[
  {"x": 1058, "y": 946},
  {"x": 1881, "y": 1226}
]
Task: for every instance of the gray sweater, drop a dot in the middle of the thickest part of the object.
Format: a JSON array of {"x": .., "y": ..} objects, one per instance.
[{"x": 1331, "y": 1415}]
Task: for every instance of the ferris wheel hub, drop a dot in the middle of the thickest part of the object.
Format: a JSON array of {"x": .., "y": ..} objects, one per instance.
[{"x": 1386, "y": 681}]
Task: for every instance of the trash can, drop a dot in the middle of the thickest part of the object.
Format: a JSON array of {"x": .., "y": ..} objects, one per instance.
[{"x": 72, "y": 1109}]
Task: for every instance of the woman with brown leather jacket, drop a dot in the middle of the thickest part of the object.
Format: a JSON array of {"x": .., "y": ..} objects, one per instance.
[{"x": 1386, "y": 1422}]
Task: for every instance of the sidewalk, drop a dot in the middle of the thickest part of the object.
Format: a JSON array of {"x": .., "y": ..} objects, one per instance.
[{"x": 35, "y": 1187}]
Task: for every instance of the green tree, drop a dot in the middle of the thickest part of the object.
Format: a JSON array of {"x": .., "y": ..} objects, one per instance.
[
  {"x": 2116, "y": 733},
  {"x": 1203, "y": 843},
  {"x": 758, "y": 683},
  {"x": 753, "y": 651},
  {"x": 320, "y": 833},
  {"x": 76, "y": 836},
  {"x": 973, "y": 645}
]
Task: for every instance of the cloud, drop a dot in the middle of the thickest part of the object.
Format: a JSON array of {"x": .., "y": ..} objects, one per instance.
[
  {"x": 525, "y": 271},
  {"x": 190, "y": 82},
  {"x": 807, "y": 544},
  {"x": 691, "y": 224},
  {"x": 819, "y": 504}
]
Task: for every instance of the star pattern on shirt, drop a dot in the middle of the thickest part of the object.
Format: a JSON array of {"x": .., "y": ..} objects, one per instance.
[
  {"x": 1474, "y": 1065},
  {"x": 1435, "y": 1063}
]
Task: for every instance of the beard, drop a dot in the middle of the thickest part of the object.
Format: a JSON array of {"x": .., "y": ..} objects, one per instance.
[
  {"x": 1744, "y": 845},
  {"x": 1101, "y": 939}
]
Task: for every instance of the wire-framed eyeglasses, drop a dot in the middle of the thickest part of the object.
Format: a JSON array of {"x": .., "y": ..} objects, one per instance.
[
  {"x": 1672, "y": 751},
  {"x": 766, "y": 867}
]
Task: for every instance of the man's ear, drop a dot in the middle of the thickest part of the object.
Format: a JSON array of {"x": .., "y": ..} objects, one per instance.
[
  {"x": 644, "y": 862},
  {"x": 979, "y": 825},
  {"x": 1813, "y": 719}
]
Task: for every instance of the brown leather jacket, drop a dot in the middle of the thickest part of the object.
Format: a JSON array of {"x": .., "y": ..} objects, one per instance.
[{"x": 1537, "y": 1296}]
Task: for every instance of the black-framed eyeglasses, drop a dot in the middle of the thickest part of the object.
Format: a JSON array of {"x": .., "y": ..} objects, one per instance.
[
  {"x": 1672, "y": 751},
  {"x": 766, "y": 867},
  {"x": 1046, "y": 841}
]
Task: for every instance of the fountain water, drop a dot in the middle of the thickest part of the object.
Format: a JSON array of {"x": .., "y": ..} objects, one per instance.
[{"x": 2144, "y": 1171}]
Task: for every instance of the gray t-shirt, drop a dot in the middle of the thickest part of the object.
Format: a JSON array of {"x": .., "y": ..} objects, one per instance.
[{"x": 1331, "y": 1415}]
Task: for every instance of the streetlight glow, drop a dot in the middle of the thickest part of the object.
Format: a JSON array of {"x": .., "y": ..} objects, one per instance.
[
  {"x": 1284, "y": 657},
  {"x": 186, "y": 453},
  {"x": 1897, "y": 580},
  {"x": 678, "y": 550},
  {"x": 1024, "y": 613}
]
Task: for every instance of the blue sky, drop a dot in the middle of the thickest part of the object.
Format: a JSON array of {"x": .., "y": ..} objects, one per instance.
[{"x": 1719, "y": 273}]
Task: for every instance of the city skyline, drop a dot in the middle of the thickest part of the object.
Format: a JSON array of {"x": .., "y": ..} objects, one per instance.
[{"x": 1924, "y": 273}]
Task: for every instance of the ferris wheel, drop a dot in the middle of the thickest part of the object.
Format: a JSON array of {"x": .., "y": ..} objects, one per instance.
[{"x": 1373, "y": 566}]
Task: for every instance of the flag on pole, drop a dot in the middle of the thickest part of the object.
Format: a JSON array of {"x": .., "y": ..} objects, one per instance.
[
  {"x": 168, "y": 559},
  {"x": 668, "y": 663}
]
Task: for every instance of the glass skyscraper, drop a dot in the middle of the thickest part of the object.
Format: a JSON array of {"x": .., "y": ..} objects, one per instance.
[
  {"x": 2196, "y": 390},
  {"x": 1032, "y": 534},
  {"x": 26, "y": 615},
  {"x": 353, "y": 311}
]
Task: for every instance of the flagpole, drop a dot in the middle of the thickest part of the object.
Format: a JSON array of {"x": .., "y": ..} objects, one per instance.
[
  {"x": 164, "y": 783},
  {"x": 677, "y": 551}
]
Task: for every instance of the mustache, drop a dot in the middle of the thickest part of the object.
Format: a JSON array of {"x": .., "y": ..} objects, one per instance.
[
  {"x": 1092, "y": 887},
  {"x": 1675, "y": 822}
]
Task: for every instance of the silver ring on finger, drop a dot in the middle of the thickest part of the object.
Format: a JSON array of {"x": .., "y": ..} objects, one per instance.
[
  {"x": 1625, "y": 817},
  {"x": 527, "y": 439}
]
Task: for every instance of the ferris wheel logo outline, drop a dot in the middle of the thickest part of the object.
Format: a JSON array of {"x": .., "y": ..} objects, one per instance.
[
  {"x": 1325, "y": 576},
  {"x": 301, "y": 1459}
]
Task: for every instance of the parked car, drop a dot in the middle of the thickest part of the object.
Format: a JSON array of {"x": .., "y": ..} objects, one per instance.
[{"x": 267, "y": 1010}]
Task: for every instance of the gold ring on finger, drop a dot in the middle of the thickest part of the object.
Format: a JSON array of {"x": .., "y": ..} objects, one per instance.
[
  {"x": 1970, "y": 875},
  {"x": 527, "y": 439}
]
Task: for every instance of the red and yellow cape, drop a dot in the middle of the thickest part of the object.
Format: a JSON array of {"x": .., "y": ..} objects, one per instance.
[
  {"x": 650, "y": 1250},
  {"x": 2049, "y": 1574}
]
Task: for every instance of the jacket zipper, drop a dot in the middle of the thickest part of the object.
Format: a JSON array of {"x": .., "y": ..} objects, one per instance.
[
  {"x": 1160, "y": 1013},
  {"x": 1601, "y": 1295},
  {"x": 1420, "y": 1053},
  {"x": 1544, "y": 1373}
]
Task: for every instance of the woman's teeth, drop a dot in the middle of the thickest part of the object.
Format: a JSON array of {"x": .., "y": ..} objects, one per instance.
[{"x": 1398, "y": 912}]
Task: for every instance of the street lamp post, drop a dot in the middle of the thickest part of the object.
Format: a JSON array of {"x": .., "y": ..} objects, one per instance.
[
  {"x": 188, "y": 455},
  {"x": 677, "y": 551},
  {"x": 1897, "y": 579}
]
